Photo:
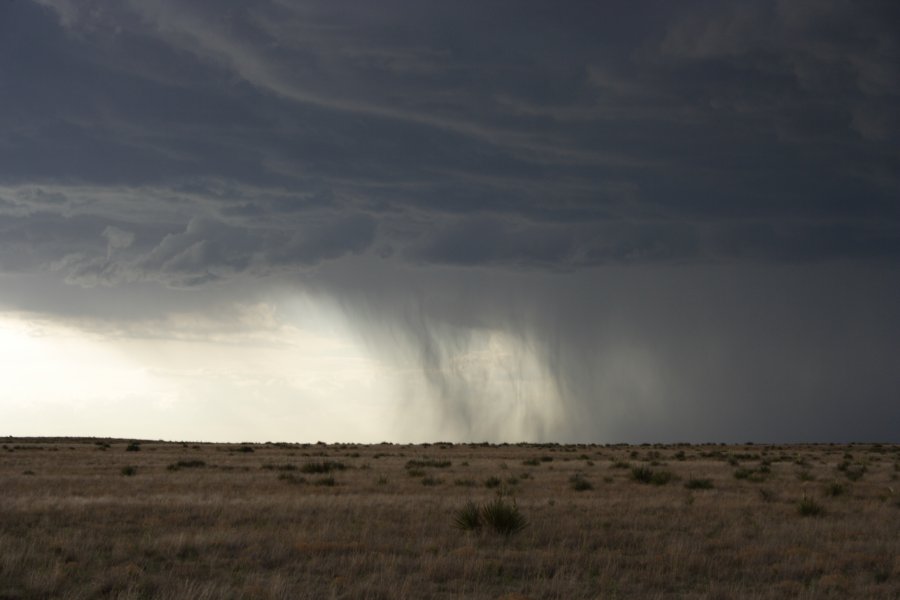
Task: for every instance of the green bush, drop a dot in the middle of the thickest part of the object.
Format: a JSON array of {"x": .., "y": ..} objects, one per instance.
[
  {"x": 647, "y": 475},
  {"x": 284, "y": 467},
  {"x": 579, "y": 483},
  {"x": 186, "y": 464},
  {"x": 129, "y": 471},
  {"x": 418, "y": 464},
  {"x": 291, "y": 478},
  {"x": 754, "y": 475},
  {"x": 323, "y": 467},
  {"x": 805, "y": 476},
  {"x": 699, "y": 484}
]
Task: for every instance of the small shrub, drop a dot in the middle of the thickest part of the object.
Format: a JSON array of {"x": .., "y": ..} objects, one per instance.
[
  {"x": 767, "y": 495},
  {"x": 129, "y": 471},
  {"x": 381, "y": 481},
  {"x": 418, "y": 464},
  {"x": 807, "y": 507},
  {"x": 291, "y": 478},
  {"x": 284, "y": 467},
  {"x": 246, "y": 449},
  {"x": 531, "y": 462},
  {"x": 323, "y": 467},
  {"x": 580, "y": 484},
  {"x": 415, "y": 473},
  {"x": 754, "y": 475},
  {"x": 327, "y": 481},
  {"x": 186, "y": 464},
  {"x": 699, "y": 484},
  {"x": 620, "y": 464},
  {"x": 661, "y": 477},
  {"x": 464, "y": 482},
  {"x": 805, "y": 476},
  {"x": 743, "y": 473},
  {"x": 648, "y": 475},
  {"x": 855, "y": 473},
  {"x": 133, "y": 447},
  {"x": 492, "y": 482},
  {"x": 431, "y": 481},
  {"x": 642, "y": 474},
  {"x": 835, "y": 489}
]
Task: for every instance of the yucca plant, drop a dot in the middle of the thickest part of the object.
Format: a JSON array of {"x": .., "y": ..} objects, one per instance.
[
  {"x": 468, "y": 518},
  {"x": 499, "y": 515},
  {"x": 503, "y": 517}
]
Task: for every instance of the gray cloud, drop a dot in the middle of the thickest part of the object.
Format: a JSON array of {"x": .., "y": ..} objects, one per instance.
[
  {"x": 517, "y": 153},
  {"x": 663, "y": 353}
]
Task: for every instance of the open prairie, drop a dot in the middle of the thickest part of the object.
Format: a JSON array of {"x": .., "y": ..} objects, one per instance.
[{"x": 90, "y": 518}]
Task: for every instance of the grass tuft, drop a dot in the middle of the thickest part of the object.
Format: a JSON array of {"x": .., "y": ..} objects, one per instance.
[
  {"x": 698, "y": 484},
  {"x": 492, "y": 482},
  {"x": 835, "y": 489},
  {"x": 323, "y": 467},
  {"x": 807, "y": 507}
]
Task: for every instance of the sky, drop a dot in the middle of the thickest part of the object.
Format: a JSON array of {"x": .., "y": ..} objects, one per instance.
[{"x": 408, "y": 220}]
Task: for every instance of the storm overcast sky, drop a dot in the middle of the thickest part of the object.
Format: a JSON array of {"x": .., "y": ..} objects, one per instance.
[{"x": 414, "y": 220}]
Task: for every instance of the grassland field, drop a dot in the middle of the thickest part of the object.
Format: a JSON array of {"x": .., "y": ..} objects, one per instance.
[{"x": 129, "y": 519}]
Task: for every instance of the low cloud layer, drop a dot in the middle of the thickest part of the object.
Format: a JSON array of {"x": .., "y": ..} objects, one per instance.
[{"x": 598, "y": 186}]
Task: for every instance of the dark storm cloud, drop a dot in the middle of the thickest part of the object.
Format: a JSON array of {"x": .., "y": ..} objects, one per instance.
[
  {"x": 532, "y": 154},
  {"x": 698, "y": 132}
]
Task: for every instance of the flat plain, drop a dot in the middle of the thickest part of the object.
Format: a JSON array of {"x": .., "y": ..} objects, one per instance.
[{"x": 105, "y": 518}]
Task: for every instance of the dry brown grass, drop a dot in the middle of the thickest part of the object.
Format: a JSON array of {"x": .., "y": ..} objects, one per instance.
[{"x": 253, "y": 524}]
